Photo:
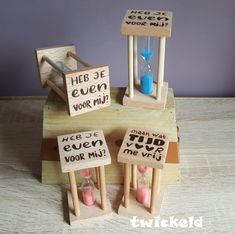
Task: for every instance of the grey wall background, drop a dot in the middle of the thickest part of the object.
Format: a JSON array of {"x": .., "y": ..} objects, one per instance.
[{"x": 200, "y": 55}]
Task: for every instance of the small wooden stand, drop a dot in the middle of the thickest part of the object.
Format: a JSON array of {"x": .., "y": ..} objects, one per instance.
[
  {"x": 146, "y": 23},
  {"x": 80, "y": 151},
  {"x": 142, "y": 147},
  {"x": 84, "y": 89}
]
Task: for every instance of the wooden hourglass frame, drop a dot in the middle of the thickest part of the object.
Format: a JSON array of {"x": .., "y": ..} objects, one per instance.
[
  {"x": 67, "y": 83},
  {"x": 82, "y": 151},
  {"x": 146, "y": 148},
  {"x": 146, "y": 23}
]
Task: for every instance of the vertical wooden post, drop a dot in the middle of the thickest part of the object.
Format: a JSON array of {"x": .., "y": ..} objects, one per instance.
[
  {"x": 130, "y": 67},
  {"x": 74, "y": 192},
  {"x": 102, "y": 187},
  {"x": 134, "y": 176},
  {"x": 127, "y": 175},
  {"x": 97, "y": 174},
  {"x": 156, "y": 179},
  {"x": 161, "y": 63},
  {"x": 135, "y": 57}
]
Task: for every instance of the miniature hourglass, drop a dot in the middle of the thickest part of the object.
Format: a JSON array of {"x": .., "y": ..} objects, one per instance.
[
  {"x": 67, "y": 75},
  {"x": 147, "y": 24},
  {"x": 142, "y": 192},
  {"x": 143, "y": 149},
  {"x": 87, "y": 187},
  {"x": 78, "y": 153}
]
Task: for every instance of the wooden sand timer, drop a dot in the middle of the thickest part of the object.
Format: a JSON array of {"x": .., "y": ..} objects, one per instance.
[
  {"x": 82, "y": 86},
  {"x": 83, "y": 151},
  {"x": 146, "y": 149},
  {"x": 142, "y": 90}
]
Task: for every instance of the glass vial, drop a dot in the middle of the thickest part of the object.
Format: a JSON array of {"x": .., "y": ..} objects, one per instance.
[
  {"x": 87, "y": 187},
  {"x": 62, "y": 66},
  {"x": 146, "y": 73},
  {"x": 142, "y": 192}
]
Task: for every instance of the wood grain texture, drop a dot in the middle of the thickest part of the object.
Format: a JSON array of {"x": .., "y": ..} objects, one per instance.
[
  {"x": 207, "y": 129},
  {"x": 114, "y": 120}
]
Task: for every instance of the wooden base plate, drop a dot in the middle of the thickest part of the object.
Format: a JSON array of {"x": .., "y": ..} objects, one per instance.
[
  {"x": 56, "y": 53},
  {"x": 88, "y": 213},
  {"x": 140, "y": 210},
  {"x": 147, "y": 101}
]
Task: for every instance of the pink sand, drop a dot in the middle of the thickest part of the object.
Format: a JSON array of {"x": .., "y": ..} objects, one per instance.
[
  {"x": 142, "y": 169},
  {"x": 86, "y": 173},
  {"x": 142, "y": 194},
  {"x": 88, "y": 197}
]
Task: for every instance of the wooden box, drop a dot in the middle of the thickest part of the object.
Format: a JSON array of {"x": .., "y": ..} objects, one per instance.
[{"x": 114, "y": 120}]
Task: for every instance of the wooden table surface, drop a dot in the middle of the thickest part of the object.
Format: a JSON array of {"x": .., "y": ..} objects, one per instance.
[{"x": 207, "y": 152}]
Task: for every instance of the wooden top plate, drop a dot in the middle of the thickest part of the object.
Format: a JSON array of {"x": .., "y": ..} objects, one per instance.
[
  {"x": 144, "y": 147},
  {"x": 147, "y": 23},
  {"x": 87, "y": 89},
  {"x": 83, "y": 150}
]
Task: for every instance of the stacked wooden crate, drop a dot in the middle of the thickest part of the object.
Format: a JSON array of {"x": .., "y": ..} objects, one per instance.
[{"x": 114, "y": 120}]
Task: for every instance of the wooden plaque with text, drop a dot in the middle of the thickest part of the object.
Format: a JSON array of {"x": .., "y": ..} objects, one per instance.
[
  {"x": 143, "y": 147},
  {"x": 87, "y": 89},
  {"x": 147, "y": 23},
  {"x": 83, "y": 150}
]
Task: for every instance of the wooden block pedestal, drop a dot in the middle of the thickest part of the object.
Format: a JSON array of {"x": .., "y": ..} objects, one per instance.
[{"x": 114, "y": 120}]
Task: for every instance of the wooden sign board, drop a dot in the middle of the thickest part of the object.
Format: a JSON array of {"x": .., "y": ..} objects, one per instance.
[
  {"x": 143, "y": 147},
  {"x": 87, "y": 89},
  {"x": 83, "y": 150},
  {"x": 147, "y": 23}
]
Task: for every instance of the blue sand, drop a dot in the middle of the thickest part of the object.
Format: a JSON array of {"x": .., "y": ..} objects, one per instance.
[
  {"x": 147, "y": 54},
  {"x": 146, "y": 84},
  {"x": 61, "y": 65}
]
